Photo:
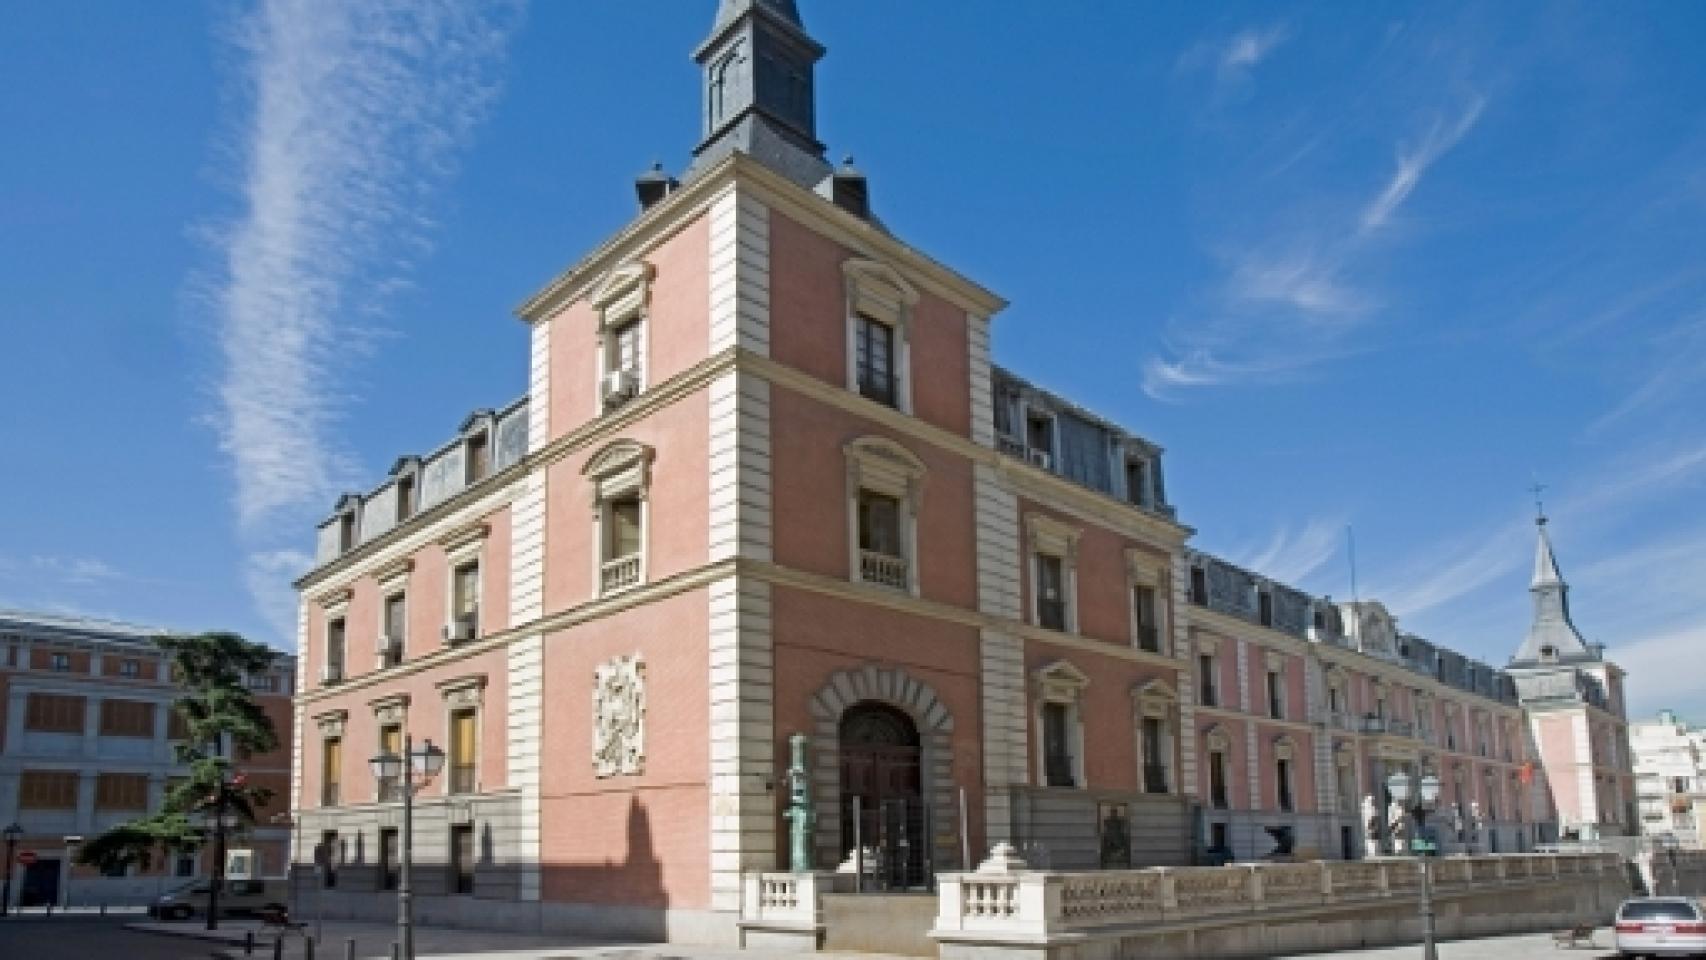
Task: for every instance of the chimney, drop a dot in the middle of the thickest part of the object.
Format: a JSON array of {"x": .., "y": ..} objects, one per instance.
[
  {"x": 653, "y": 185},
  {"x": 849, "y": 191}
]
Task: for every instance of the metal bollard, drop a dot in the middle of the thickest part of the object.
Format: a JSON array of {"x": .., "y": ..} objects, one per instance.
[
  {"x": 349, "y": 949},
  {"x": 396, "y": 951},
  {"x": 278, "y": 948},
  {"x": 103, "y": 908},
  {"x": 248, "y": 942},
  {"x": 307, "y": 948}
]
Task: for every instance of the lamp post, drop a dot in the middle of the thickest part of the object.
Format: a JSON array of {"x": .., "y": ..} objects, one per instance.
[
  {"x": 1427, "y": 797},
  {"x": 11, "y": 833},
  {"x": 411, "y": 771}
]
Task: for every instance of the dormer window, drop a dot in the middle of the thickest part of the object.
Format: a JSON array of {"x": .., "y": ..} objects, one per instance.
[
  {"x": 1199, "y": 586},
  {"x": 346, "y": 531},
  {"x": 405, "y": 498},
  {"x": 1039, "y": 440},
  {"x": 1265, "y": 608},
  {"x": 1137, "y": 481},
  {"x": 479, "y": 457}
]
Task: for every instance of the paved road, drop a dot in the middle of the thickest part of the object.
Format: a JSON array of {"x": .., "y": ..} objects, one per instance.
[
  {"x": 91, "y": 938},
  {"x": 1533, "y": 946}
]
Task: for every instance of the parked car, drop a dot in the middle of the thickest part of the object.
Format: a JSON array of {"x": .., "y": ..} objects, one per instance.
[
  {"x": 238, "y": 898},
  {"x": 1661, "y": 927}
]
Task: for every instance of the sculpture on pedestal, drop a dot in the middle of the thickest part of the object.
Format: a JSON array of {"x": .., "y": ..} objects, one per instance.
[
  {"x": 1370, "y": 825},
  {"x": 1397, "y": 826}
]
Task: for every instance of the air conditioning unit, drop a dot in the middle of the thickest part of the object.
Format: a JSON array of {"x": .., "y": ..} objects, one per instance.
[
  {"x": 1040, "y": 458},
  {"x": 390, "y": 650},
  {"x": 463, "y": 627},
  {"x": 619, "y": 385},
  {"x": 331, "y": 673}
]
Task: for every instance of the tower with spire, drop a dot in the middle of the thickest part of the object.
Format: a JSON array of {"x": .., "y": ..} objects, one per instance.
[{"x": 1573, "y": 697}]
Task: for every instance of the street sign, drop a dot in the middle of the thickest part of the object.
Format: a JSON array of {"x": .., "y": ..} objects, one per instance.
[
  {"x": 1423, "y": 845},
  {"x": 27, "y": 858}
]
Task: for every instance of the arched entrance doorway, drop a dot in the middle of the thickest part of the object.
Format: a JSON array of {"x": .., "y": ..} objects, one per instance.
[{"x": 882, "y": 777}]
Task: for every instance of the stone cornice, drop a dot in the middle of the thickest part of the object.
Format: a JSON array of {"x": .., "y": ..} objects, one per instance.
[{"x": 673, "y": 214}]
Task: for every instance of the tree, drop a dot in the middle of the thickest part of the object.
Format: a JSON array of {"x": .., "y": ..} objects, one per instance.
[{"x": 221, "y": 718}]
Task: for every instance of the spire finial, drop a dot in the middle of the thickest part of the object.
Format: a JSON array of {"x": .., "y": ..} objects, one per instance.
[{"x": 1537, "y": 488}]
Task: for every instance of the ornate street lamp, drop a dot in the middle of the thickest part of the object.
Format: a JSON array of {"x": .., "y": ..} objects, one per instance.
[
  {"x": 1427, "y": 797},
  {"x": 422, "y": 766},
  {"x": 11, "y": 833}
]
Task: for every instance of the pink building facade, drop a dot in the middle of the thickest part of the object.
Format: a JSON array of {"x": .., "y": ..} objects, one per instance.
[{"x": 766, "y": 481}]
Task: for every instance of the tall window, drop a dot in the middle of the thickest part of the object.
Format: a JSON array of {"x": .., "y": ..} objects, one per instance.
[
  {"x": 346, "y": 531},
  {"x": 396, "y": 626},
  {"x": 1051, "y": 592},
  {"x": 1265, "y": 608},
  {"x": 462, "y": 858},
  {"x": 465, "y": 601},
  {"x": 1335, "y": 699},
  {"x": 623, "y": 536},
  {"x": 1208, "y": 689},
  {"x": 874, "y": 365},
  {"x": 463, "y": 751},
  {"x": 1155, "y": 751},
  {"x": 388, "y": 858},
  {"x": 331, "y": 771},
  {"x": 1148, "y": 625},
  {"x": 53, "y": 713},
  {"x": 1276, "y": 695},
  {"x": 334, "y": 857},
  {"x": 1282, "y": 783},
  {"x": 1199, "y": 587},
  {"x": 1136, "y": 481},
  {"x": 390, "y": 789},
  {"x": 882, "y": 558},
  {"x": 405, "y": 498},
  {"x": 479, "y": 457},
  {"x": 1057, "y": 752},
  {"x": 1039, "y": 439},
  {"x": 334, "y": 650},
  {"x": 1217, "y": 796}
]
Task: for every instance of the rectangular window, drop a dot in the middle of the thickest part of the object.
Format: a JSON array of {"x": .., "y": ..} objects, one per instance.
[
  {"x": 625, "y": 348},
  {"x": 1208, "y": 690},
  {"x": 1265, "y": 608},
  {"x": 874, "y": 360},
  {"x": 47, "y": 790},
  {"x": 465, "y": 598},
  {"x": 1335, "y": 700},
  {"x": 1136, "y": 481},
  {"x": 127, "y": 718},
  {"x": 331, "y": 771},
  {"x": 882, "y": 557},
  {"x": 1148, "y": 625},
  {"x": 479, "y": 458},
  {"x": 1199, "y": 587},
  {"x": 1156, "y": 752},
  {"x": 334, "y": 854},
  {"x": 1039, "y": 433},
  {"x": 346, "y": 532},
  {"x": 129, "y": 668},
  {"x": 1057, "y": 755},
  {"x": 396, "y": 628},
  {"x": 1276, "y": 695},
  {"x": 388, "y": 858},
  {"x": 1282, "y": 780},
  {"x": 1217, "y": 780},
  {"x": 622, "y": 535},
  {"x": 1051, "y": 592},
  {"x": 463, "y": 751},
  {"x": 462, "y": 858},
  {"x": 405, "y": 498},
  {"x": 121, "y": 791},
  {"x": 335, "y": 650},
  {"x": 54, "y": 713},
  {"x": 391, "y": 743},
  {"x": 185, "y": 867},
  {"x": 60, "y": 662},
  {"x": 177, "y": 726}
]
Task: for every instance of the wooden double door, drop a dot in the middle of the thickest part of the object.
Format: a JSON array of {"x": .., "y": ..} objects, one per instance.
[{"x": 882, "y": 796}]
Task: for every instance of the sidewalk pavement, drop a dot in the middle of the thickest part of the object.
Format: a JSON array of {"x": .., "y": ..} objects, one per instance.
[
  {"x": 1528, "y": 946},
  {"x": 373, "y": 942}
]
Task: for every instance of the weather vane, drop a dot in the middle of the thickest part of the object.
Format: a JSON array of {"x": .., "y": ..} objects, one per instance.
[{"x": 1537, "y": 488}]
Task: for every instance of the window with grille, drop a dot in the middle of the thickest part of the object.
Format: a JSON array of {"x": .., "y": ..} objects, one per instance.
[
  {"x": 1057, "y": 753},
  {"x": 1282, "y": 781},
  {"x": 1157, "y": 751},
  {"x": 462, "y": 858},
  {"x": 54, "y": 713},
  {"x": 127, "y": 718},
  {"x": 874, "y": 361},
  {"x": 121, "y": 791},
  {"x": 47, "y": 790},
  {"x": 1217, "y": 797}
]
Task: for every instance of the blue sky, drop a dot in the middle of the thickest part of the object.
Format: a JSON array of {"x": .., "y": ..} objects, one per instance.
[{"x": 1370, "y": 265}]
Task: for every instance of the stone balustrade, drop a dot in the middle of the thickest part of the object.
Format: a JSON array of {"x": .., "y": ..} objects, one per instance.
[
  {"x": 1003, "y": 901},
  {"x": 785, "y": 910}
]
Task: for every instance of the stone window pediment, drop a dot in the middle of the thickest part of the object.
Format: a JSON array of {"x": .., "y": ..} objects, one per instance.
[
  {"x": 620, "y": 467},
  {"x": 1051, "y": 536},
  {"x": 332, "y": 722},
  {"x": 624, "y": 294},
  {"x": 1060, "y": 682},
  {"x": 390, "y": 709},
  {"x": 460, "y": 692},
  {"x": 1285, "y": 748},
  {"x": 879, "y": 292},
  {"x": 884, "y": 466},
  {"x": 1155, "y": 698},
  {"x": 1216, "y": 739}
]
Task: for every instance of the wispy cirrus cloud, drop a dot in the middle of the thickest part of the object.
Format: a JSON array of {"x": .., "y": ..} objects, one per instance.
[
  {"x": 1414, "y": 160},
  {"x": 58, "y": 571},
  {"x": 356, "y": 113},
  {"x": 1250, "y": 46},
  {"x": 1292, "y": 554},
  {"x": 1294, "y": 300},
  {"x": 1230, "y": 61}
]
